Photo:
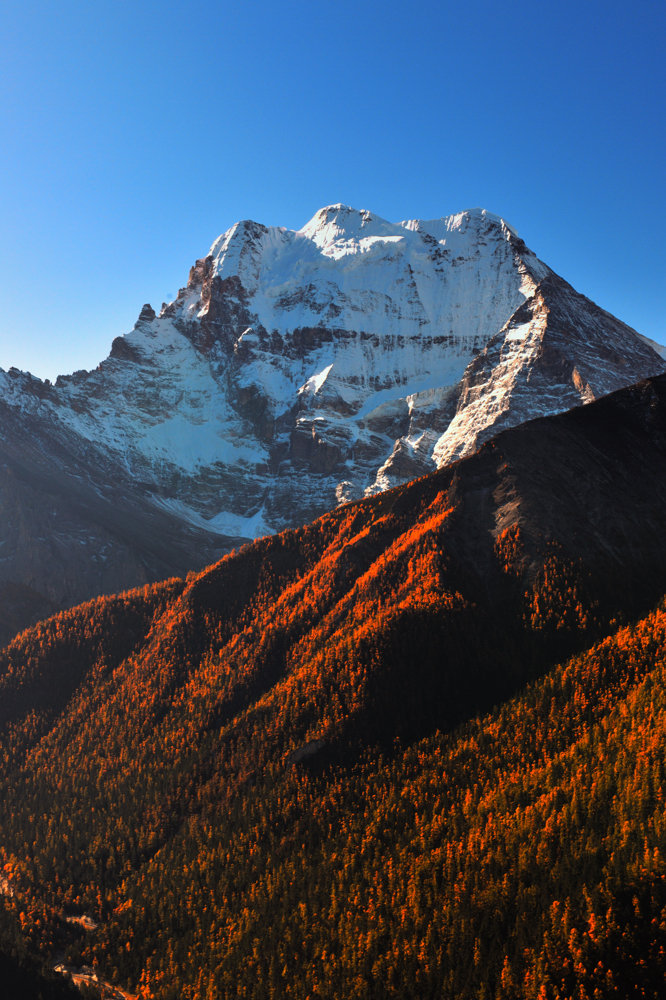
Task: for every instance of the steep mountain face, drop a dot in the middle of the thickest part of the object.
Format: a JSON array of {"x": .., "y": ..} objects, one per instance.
[
  {"x": 294, "y": 371},
  {"x": 276, "y": 744}
]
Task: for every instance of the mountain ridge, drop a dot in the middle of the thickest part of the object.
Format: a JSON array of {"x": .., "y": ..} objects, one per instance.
[{"x": 294, "y": 371}]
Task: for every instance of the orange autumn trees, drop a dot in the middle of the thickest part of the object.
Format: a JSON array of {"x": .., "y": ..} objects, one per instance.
[
  {"x": 405, "y": 751},
  {"x": 220, "y": 789}
]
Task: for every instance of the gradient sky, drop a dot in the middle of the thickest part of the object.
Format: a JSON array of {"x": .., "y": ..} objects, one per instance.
[{"x": 132, "y": 134}]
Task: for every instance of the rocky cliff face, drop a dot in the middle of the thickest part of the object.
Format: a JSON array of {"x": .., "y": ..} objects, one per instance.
[{"x": 295, "y": 370}]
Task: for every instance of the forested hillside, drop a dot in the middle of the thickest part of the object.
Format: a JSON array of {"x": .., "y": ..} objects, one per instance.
[{"x": 286, "y": 775}]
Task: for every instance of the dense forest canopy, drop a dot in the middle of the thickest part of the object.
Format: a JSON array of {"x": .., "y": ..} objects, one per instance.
[{"x": 414, "y": 749}]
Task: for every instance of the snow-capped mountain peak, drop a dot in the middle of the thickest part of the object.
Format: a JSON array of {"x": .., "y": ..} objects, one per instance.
[
  {"x": 355, "y": 352},
  {"x": 298, "y": 369}
]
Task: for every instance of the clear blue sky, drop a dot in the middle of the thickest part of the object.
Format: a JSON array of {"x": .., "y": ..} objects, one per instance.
[{"x": 132, "y": 134}]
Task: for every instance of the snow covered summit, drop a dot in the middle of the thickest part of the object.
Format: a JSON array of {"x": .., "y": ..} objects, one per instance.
[{"x": 299, "y": 369}]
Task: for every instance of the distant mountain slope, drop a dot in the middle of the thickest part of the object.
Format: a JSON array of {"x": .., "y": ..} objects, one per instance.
[
  {"x": 73, "y": 526},
  {"x": 295, "y": 370},
  {"x": 229, "y": 773}
]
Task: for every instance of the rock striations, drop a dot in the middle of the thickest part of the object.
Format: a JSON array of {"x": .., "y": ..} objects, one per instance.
[{"x": 295, "y": 371}]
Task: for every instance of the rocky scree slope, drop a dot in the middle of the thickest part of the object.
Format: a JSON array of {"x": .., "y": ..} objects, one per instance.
[{"x": 296, "y": 370}]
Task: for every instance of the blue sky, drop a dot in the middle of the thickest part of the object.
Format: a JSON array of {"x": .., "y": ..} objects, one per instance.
[{"x": 132, "y": 134}]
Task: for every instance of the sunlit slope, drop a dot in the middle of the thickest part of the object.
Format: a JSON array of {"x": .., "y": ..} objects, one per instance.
[
  {"x": 523, "y": 856},
  {"x": 210, "y": 768}
]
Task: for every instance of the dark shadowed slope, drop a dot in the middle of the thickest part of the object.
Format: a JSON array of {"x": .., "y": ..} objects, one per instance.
[{"x": 74, "y": 528}]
